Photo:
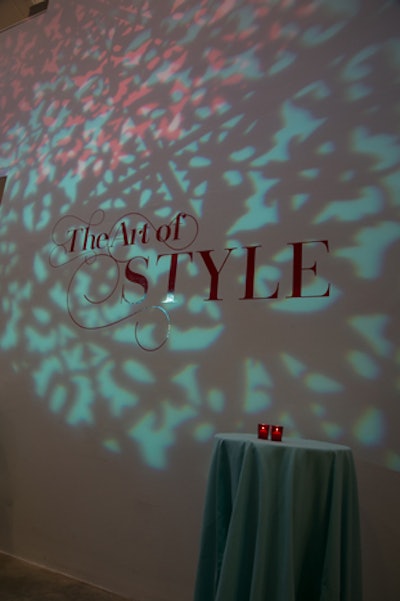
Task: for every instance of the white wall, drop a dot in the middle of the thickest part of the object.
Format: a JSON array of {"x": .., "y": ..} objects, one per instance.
[{"x": 268, "y": 124}]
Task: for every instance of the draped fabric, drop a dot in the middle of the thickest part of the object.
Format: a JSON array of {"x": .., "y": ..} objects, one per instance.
[{"x": 281, "y": 522}]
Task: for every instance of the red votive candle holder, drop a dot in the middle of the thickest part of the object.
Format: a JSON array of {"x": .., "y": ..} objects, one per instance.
[
  {"x": 263, "y": 431},
  {"x": 276, "y": 433}
]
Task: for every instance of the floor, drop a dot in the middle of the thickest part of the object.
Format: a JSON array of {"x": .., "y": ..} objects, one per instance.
[{"x": 20, "y": 581}]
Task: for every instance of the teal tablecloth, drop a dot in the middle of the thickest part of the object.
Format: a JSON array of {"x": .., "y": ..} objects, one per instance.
[{"x": 281, "y": 522}]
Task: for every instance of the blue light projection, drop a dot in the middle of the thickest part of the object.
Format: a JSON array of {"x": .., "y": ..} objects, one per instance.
[{"x": 267, "y": 124}]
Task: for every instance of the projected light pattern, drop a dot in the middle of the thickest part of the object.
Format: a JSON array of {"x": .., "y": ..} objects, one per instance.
[{"x": 269, "y": 123}]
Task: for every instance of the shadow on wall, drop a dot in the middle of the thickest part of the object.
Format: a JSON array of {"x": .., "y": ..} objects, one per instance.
[
  {"x": 6, "y": 496},
  {"x": 380, "y": 531},
  {"x": 2, "y": 185}
]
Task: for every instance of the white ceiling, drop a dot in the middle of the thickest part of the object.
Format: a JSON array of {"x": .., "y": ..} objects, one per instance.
[{"x": 13, "y": 12}]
